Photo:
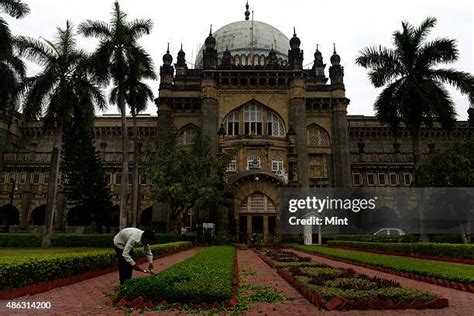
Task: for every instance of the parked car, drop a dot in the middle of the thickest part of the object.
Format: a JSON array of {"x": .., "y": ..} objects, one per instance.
[{"x": 389, "y": 232}]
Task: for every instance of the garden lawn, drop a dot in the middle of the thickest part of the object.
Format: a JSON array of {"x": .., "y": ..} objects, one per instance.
[
  {"x": 37, "y": 252},
  {"x": 204, "y": 278},
  {"x": 29, "y": 266},
  {"x": 442, "y": 270}
]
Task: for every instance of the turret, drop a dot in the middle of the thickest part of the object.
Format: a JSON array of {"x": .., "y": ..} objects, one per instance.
[
  {"x": 210, "y": 52},
  {"x": 181, "y": 67},
  {"x": 318, "y": 65},
  {"x": 295, "y": 54},
  {"x": 336, "y": 71}
]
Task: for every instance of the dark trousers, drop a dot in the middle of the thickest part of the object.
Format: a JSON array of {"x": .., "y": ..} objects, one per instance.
[{"x": 125, "y": 269}]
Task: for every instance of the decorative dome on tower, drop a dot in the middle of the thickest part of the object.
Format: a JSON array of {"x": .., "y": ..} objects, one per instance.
[
  {"x": 295, "y": 41},
  {"x": 335, "y": 58},
  {"x": 167, "y": 58}
]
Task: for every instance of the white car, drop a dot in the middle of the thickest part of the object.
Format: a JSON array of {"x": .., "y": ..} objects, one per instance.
[{"x": 389, "y": 232}]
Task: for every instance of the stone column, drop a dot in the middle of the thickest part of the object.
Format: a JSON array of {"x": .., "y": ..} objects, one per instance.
[
  {"x": 249, "y": 227},
  {"x": 26, "y": 199},
  {"x": 210, "y": 112},
  {"x": 340, "y": 143},
  {"x": 297, "y": 120},
  {"x": 265, "y": 227}
]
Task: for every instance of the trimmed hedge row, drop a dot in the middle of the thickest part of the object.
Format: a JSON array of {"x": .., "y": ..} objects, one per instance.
[
  {"x": 20, "y": 272},
  {"x": 442, "y": 270},
  {"x": 70, "y": 240},
  {"x": 202, "y": 279},
  {"x": 370, "y": 238},
  {"x": 459, "y": 251}
]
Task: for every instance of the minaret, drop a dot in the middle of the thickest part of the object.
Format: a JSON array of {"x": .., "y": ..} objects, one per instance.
[
  {"x": 181, "y": 66},
  {"x": 336, "y": 71},
  {"x": 166, "y": 83},
  {"x": 295, "y": 54},
  {"x": 210, "y": 52},
  {"x": 318, "y": 65}
]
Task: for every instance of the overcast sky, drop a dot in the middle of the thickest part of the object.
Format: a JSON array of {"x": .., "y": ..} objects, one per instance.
[{"x": 350, "y": 24}]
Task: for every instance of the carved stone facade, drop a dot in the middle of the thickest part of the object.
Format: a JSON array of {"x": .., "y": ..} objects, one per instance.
[{"x": 288, "y": 127}]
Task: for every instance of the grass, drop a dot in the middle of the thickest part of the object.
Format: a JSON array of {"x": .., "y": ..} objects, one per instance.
[
  {"x": 204, "y": 278},
  {"x": 443, "y": 270},
  {"x": 37, "y": 252}
]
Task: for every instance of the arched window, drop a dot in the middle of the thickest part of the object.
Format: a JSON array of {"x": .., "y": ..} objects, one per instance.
[
  {"x": 237, "y": 60},
  {"x": 244, "y": 60},
  {"x": 275, "y": 126},
  {"x": 255, "y": 60},
  {"x": 277, "y": 165},
  {"x": 254, "y": 162},
  {"x": 231, "y": 124},
  {"x": 253, "y": 118},
  {"x": 262, "y": 60},
  {"x": 187, "y": 135},
  {"x": 317, "y": 136}
]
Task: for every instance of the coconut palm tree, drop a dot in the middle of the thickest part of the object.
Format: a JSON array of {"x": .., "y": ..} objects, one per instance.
[
  {"x": 137, "y": 96},
  {"x": 54, "y": 94},
  {"x": 12, "y": 68},
  {"x": 117, "y": 49},
  {"x": 414, "y": 92}
]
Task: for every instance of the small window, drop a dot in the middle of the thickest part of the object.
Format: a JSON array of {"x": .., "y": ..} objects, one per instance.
[
  {"x": 118, "y": 178},
  {"x": 382, "y": 179},
  {"x": 393, "y": 179},
  {"x": 356, "y": 179},
  {"x": 277, "y": 165},
  {"x": 46, "y": 178},
  {"x": 3, "y": 177},
  {"x": 254, "y": 162},
  {"x": 22, "y": 178},
  {"x": 130, "y": 178},
  {"x": 370, "y": 179},
  {"x": 232, "y": 123},
  {"x": 407, "y": 178},
  {"x": 143, "y": 180},
  {"x": 35, "y": 178},
  {"x": 253, "y": 118},
  {"x": 232, "y": 166}
]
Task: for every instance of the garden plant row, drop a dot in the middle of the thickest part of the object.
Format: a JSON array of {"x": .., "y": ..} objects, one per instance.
[
  {"x": 208, "y": 279},
  {"x": 344, "y": 289},
  {"x": 457, "y": 276},
  {"x": 462, "y": 253},
  {"x": 35, "y": 274}
]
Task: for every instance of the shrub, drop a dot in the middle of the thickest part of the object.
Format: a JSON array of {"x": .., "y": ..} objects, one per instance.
[
  {"x": 23, "y": 271},
  {"x": 459, "y": 251},
  {"x": 204, "y": 278}
]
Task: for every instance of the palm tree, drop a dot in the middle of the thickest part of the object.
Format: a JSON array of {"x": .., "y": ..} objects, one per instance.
[
  {"x": 55, "y": 93},
  {"x": 137, "y": 96},
  {"x": 414, "y": 92},
  {"x": 12, "y": 68},
  {"x": 117, "y": 49}
]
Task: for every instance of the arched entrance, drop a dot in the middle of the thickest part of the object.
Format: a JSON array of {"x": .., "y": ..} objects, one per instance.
[
  {"x": 9, "y": 215},
  {"x": 256, "y": 205},
  {"x": 37, "y": 215},
  {"x": 146, "y": 216},
  {"x": 78, "y": 216}
]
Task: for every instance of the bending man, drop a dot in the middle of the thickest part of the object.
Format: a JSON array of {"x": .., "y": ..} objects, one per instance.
[{"x": 124, "y": 242}]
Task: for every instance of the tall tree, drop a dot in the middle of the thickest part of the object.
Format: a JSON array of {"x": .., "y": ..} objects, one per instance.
[
  {"x": 85, "y": 182},
  {"x": 413, "y": 85},
  {"x": 63, "y": 84},
  {"x": 12, "y": 68},
  {"x": 137, "y": 96},
  {"x": 118, "y": 48},
  {"x": 187, "y": 177}
]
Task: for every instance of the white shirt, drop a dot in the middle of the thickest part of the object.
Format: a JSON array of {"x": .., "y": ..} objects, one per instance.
[{"x": 128, "y": 238}]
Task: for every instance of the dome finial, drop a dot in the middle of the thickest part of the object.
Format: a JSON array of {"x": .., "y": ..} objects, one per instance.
[
  {"x": 168, "y": 48},
  {"x": 334, "y": 45},
  {"x": 294, "y": 31},
  {"x": 210, "y": 30},
  {"x": 181, "y": 46},
  {"x": 247, "y": 12},
  {"x": 317, "y": 47}
]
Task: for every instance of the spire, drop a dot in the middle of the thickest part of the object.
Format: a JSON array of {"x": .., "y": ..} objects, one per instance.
[
  {"x": 210, "y": 30},
  {"x": 168, "y": 48},
  {"x": 294, "y": 31},
  {"x": 247, "y": 12},
  {"x": 334, "y": 45}
]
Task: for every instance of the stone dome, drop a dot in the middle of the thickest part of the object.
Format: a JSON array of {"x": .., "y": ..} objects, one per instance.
[{"x": 237, "y": 37}]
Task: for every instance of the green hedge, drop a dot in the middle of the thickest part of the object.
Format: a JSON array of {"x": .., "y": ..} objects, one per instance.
[
  {"x": 71, "y": 240},
  {"x": 459, "y": 251},
  {"x": 204, "y": 278},
  {"x": 443, "y": 270},
  {"x": 22, "y": 271},
  {"x": 369, "y": 238}
]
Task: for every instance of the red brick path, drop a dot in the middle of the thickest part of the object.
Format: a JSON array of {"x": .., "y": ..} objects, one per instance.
[
  {"x": 460, "y": 303},
  {"x": 90, "y": 297}
]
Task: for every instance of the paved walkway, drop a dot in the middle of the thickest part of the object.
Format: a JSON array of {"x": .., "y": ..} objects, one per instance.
[
  {"x": 460, "y": 303},
  {"x": 92, "y": 296}
]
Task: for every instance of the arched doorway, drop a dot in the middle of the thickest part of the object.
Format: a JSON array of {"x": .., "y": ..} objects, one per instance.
[
  {"x": 257, "y": 217},
  {"x": 38, "y": 214},
  {"x": 145, "y": 217},
  {"x": 9, "y": 215},
  {"x": 78, "y": 216}
]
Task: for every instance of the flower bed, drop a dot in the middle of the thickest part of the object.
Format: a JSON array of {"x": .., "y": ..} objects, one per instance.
[
  {"x": 22, "y": 272},
  {"x": 206, "y": 279},
  {"x": 460, "y": 277},
  {"x": 344, "y": 289},
  {"x": 446, "y": 252}
]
